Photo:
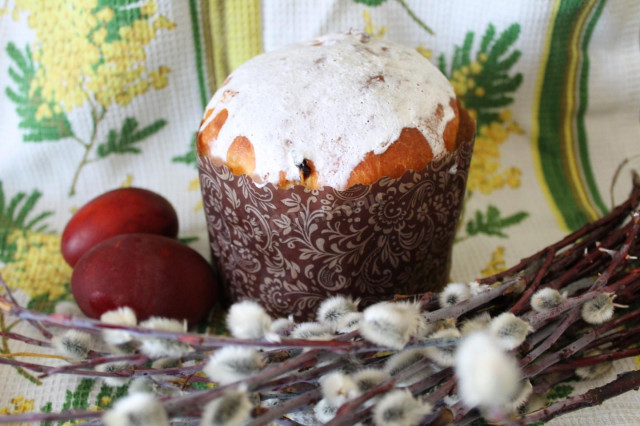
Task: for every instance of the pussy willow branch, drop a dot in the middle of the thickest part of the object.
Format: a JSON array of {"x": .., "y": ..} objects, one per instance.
[
  {"x": 45, "y": 333},
  {"x": 348, "y": 413},
  {"x": 351, "y": 415},
  {"x": 49, "y": 417},
  {"x": 523, "y": 302},
  {"x": 308, "y": 375},
  {"x": 535, "y": 319},
  {"x": 620, "y": 256},
  {"x": 618, "y": 260},
  {"x": 571, "y": 365},
  {"x": 557, "y": 346},
  {"x": 25, "y": 339},
  {"x": 188, "y": 402},
  {"x": 571, "y": 349},
  {"x": 198, "y": 341},
  {"x": 623, "y": 383},
  {"x": 429, "y": 382},
  {"x": 593, "y": 259},
  {"x": 545, "y": 382},
  {"x": 468, "y": 305},
  {"x": 616, "y": 216},
  {"x": 290, "y": 406},
  {"x": 617, "y": 338},
  {"x": 569, "y": 257},
  {"x": 544, "y": 327},
  {"x": 38, "y": 368},
  {"x": 417, "y": 388}
]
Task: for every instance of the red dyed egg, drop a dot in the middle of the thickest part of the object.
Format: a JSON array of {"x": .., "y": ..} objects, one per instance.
[
  {"x": 151, "y": 274},
  {"x": 121, "y": 211}
]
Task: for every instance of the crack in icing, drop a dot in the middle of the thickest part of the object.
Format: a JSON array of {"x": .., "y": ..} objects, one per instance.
[{"x": 330, "y": 101}]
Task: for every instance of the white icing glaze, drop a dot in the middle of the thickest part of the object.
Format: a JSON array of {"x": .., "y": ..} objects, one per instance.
[{"x": 324, "y": 101}]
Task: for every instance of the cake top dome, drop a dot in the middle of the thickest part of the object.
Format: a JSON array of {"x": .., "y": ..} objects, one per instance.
[{"x": 328, "y": 102}]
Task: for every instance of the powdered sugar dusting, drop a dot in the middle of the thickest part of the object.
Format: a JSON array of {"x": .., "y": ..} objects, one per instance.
[{"x": 331, "y": 101}]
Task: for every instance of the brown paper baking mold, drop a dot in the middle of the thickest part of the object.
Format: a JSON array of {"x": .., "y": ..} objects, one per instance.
[{"x": 289, "y": 249}]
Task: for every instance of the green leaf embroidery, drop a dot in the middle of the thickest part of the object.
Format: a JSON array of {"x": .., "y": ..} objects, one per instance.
[
  {"x": 119, "y": 392},
  {"x": 509, "y": 84},
  {"x": 79, "y": 398},
  {"x": 199, "y": 385},
  {"x": 466, "y": 48},
  {"x": 488, "y": 37},
  {"x": 371, "y": 2},
  {"x": 189, "y": 240},
  {"x": 510, "y": 61},
  {"x": 559, "y": 392},
  {"x": 105, "y": 391},
  {"x": 190, "y": 158},
  {"x": 125, "y": 13},
  {"x": 492, "y": 84},
  {"x": 503, "y": 43},
  {"x": 122, "y": 143},
  {"x": 14, "y": 216},
  {"x": 442, "y": 64},
  {"x": 456, "y": 62},
  {"x": 492, "y": 223},
  {"x": 45, "y": 120},
  {"x": 45, "y": 304},
  {"x": 46, "y": 408},
  {"x": 9, "y": 219},
  {"x": 113, "y": 393},
  {"x": 51, "y": 128}
]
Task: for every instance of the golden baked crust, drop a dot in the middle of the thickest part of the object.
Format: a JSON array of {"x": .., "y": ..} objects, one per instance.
[
  {"x": 241, "y": 158},
  {"x": 411, "y": 151}
]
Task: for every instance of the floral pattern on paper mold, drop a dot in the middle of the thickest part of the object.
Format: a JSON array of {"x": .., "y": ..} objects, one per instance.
[{"x": 290, "y": 249}]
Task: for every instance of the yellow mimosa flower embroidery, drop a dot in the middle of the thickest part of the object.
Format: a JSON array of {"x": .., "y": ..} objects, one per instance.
[
  {"x": 485, "y": 174},
  {"x": 38, "y": 266},
  {"x": 19, "y": 405},
  {"x": 90, "y": 56},
  {"x": 496, "y": 264},
  {"x": 370, "y": 29}
]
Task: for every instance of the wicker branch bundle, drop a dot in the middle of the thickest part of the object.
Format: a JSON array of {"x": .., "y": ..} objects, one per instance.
[{"x": 564, "y": 313}]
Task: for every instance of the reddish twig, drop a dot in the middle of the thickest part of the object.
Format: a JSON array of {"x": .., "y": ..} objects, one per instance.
[
  {"x": 25, "y": 339},
  {"x": 616, "y": 215},
  {"x": 45, "y": 333},
  {"x": 577, "y": 345},
  {"x": 623, "y": 383},
  {"x": 592, "y": 360},
  {"x": 348, "y": 413},
  {"x": 524, "y": 299},
  {"x": 290, "y": 406},
  {"x": 49, "y": 417},
  {"x": 556, "y": 347}
]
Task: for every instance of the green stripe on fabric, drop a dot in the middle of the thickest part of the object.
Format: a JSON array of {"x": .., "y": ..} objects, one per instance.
[
  {"x": 197, "y": 43},
  {"x": 583, "y": 144},
  {"x": 562, "y": 141},
  {"x": 207, "y": 44},
  {"x": 550, "y": 118}
]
